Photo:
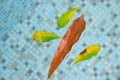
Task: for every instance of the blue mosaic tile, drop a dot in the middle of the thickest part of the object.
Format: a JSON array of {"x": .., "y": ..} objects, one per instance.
[{"x": 21, "y": 58}]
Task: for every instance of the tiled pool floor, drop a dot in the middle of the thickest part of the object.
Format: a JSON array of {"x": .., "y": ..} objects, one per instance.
[{"x": 21, "y": 58}]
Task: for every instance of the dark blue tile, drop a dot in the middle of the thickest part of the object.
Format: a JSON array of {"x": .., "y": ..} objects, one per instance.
[
  {"x": 102, "y": 0},
  {"x": 117, "y": 67},
  {"x": 33, "y": 28},
  {"x": 38, "y": 73},
  {"x": 108, "y": 4},
  {"x": 118, "y": 78},
  {"x": 26, "y": 63},
  {"x": 57, "y": 28},
  {"x": 5, "y": 37},
  {"x": 114, "y": 34},
  {"x": 28, "y": 23},
  {"x": 16, "y": 69},
  {"x": 11, "y": 46},
  {"x": 115, "y": 15},
  {"x": 71, "y": 0},
  {"x": 82, "y": 0},
  {"x": 24, "y": 6},
  {"x": 4, "y": 67},
  {"x": 104, "y": 46},
  {"x": 70, "y": 61},
  {"x": 21, "y": 21},
  {"x": 90, "y": 19},
  {"x": 27, "y": 39},
  {"x": 83, "y": 4},
  {"x": 11, "y": 6},
  {"x": 95, "y": 74},
  {"x": 37, "y": 3},
  {"x": 94, "y": 3},
  {"x": 102, "y": 29},
  {"x": 3, "y": 60},
  {"x": 95, "y": 69},
  {"x": 78, "y": 10},
  {"x": 46, "y": 59},
  {"x": 38, "y": 17},
  {"x": 20, "y": 32},
  {"x": 116, "y": 25},
  {"x": 108, "y": 79},
  {"x": 28, "y": 17},
  {"x": 23, "y": 49},
  {"x": 84, "y": 44},
  {"x": 2, "y": 78},
  {"x": 40, "y": 44},
  {"x": 110, "y": 50},
  {"x": 17, "y": 45},
  {"x": 4, "y": 12},
  {"x": 99, "y": 57},
  {"x": 115, "y": 44},
  {"x": 30, "y": 71},
  {"x": 69, "y": 8},
  {"x": 60, "y": 72},
  {"x": 56, "y": 17},
  {"x": 108, "y": 34},
  {"x": 107, "y": 73},
  {"x": 9, "y": 11},
  {"x": 48, "y": 45},
  {"x": 83, "y": 70},
  {"x": 53, "y": 4}
]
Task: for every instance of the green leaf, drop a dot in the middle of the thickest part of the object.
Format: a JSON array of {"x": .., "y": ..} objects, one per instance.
[
  {"x": 88, "y": 53},
  {"x": 43, "y": 36},
  {"x": 66, "y": 17}
]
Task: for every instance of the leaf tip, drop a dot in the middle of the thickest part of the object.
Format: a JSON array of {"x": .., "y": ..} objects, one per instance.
[
  {"x": 33, "y": 36},
  {"x": 59, "y": 24},
  {"x": 75, "y": 63},
  {"x": 82, "y": 16},
  {"x": 47, "y": 78},
  {"x": 58, "y": 36},
  {"x": 65, "y": 18},
  {"x": 78, "y": 7}
]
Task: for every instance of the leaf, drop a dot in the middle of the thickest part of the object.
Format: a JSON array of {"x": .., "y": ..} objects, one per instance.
[
  {"x": 88, "y": 53},
  {"x": 69, "y": 39},
  {"x": 43, "y": 36},
  {"x": 66, "y": 17}
]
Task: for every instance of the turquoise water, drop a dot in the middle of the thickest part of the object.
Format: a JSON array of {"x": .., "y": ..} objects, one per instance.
[{"x": 21, "y": 58}]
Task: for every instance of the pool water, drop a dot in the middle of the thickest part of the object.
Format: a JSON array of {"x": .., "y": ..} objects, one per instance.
[{"x": 21, "y": 58}]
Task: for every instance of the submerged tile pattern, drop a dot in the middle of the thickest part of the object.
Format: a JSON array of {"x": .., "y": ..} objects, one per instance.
[
  {"x": 23, "y": 59},
  {"x": 9, "y": 13}
]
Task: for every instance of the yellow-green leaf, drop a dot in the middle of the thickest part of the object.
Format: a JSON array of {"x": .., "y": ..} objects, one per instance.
[
  {"x": 66, "y": 17},
  {"x": 88, "y": 53},
  {"x": 43, "y": 36}
]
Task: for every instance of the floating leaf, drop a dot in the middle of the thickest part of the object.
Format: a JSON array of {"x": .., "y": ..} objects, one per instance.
[
  {"x": 88, "y": 53},
  {"x": 69, "y": 39},
  {"x": 43, "y": 36},
  {"x": 65, "y": 17}
]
